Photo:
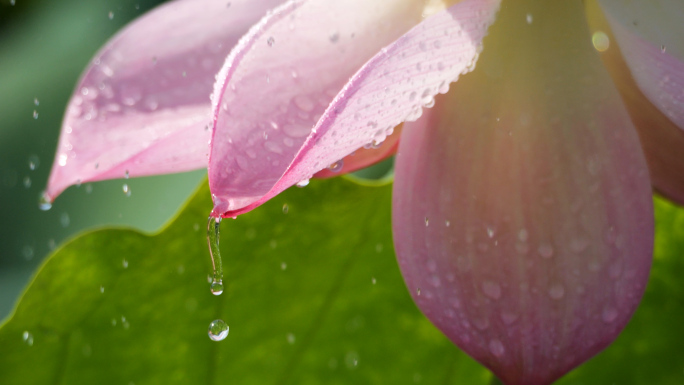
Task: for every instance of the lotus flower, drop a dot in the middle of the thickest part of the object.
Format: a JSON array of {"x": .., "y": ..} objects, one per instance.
[{"x": 522, "y": 205}]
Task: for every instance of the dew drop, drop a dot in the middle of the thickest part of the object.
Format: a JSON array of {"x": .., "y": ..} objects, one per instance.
[
  {"x": 286, "y": 208},
  {"x": 545, "y": 250},
  {"x": 110, "y": 15},
  {"x": 609, "y": 314},
  {"x": 290, "y": 338},
  {"x": 101, "y": 289},
  {"x": 216, "y": 288},
  {"x": 126, "y": 190},
  {"x": 127, "y": 175},
  {"x": 427, "y": 221},
  {"x": 124, "y": 263},
  {"x": 557, "y": 291},
  {"x": 334, "y": 37},
  {"x": 35, "y": 114},
  {"x": 496, "y": 347},
  {"x": 28, "y": 338},
  {"x": 303, "y": 183},
  {"x": 34, "y": 162},
  {"x": 337, "y": 166},
  {"x": 213, "y": 235},
  {"x": 270, "y": 41},
  {"x": 529, "y": 18},
  {"x": 663, "y": 49},
  {"x": 218, "y": 330},
  {"x": 491, "y": 289}
]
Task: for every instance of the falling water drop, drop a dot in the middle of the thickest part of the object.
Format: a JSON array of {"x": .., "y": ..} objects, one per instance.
[
  {"x": 213, "y": 233},
  {"x": 218, "y": 330}
]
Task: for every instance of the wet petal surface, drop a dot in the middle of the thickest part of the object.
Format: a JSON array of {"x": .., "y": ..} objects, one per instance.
[
  {"x": 142, "y": 106},
  {"x": 522, "y": 212},
  {"x": 262, "y": 146}
]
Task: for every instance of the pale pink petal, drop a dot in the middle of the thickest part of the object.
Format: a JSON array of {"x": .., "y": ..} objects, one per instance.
[
  {"x": 142, "y": 106},
  {"x": 661, "y": 140},
  {"x": 363, "y": 157},
  {"x": 522, "y": 214},
  {"x": 651, "y": 38},
  {"x": 265, "y": 139}
]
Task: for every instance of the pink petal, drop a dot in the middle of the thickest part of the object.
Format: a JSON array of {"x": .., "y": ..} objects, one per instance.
[
  {"x": 522, "y": 212},
  {"x": 142, "y": 106},
  {"x": 363, "y": 157},
  {"x": 280, "y": 81},
  {"x": 651, "y": 38},
  {"x": 661, "y": 140}
]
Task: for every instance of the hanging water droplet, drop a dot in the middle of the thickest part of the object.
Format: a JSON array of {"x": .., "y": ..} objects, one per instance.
[
  {"x": 213, "y": 236},
  {"x": 28, "y": 338},
  {"x": 218, "y": 330},
  {"x": 216, "y": 288},
  {"x": 303, "y": 183},
  {"x": 337, "y": 166}
]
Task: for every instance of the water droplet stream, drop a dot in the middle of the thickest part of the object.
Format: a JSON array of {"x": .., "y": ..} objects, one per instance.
[{"x": 213, "y": 232}]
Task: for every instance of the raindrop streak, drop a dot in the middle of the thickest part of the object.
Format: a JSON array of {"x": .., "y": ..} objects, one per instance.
[
  {"x": 213, "y": 230},
  {"x": 218, "y": 330}
]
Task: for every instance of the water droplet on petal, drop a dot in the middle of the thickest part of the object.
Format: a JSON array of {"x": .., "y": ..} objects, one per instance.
[
  {"x": 491, "y": 289},
  {"x": 303, "y": 183},
  {"x": 557, "y": 292},
  {"x": 337, "y": 166},
  {"x": 609, "y": 314},
  {"x": 496, "y": 347},
  {"x": 218, "y": 330},
  {"x": 270, "y": 41}
]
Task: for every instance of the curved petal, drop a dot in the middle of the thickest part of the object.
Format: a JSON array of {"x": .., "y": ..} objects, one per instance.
[
  {"x": 363, "y": 157},
  {"x": 142, "y": 106},
  {"x": 264, "y": 107},
  {"x": 651, "y": 38},
  {"x": 522, "y": 212},
  {"x": 661, "y": 140}
]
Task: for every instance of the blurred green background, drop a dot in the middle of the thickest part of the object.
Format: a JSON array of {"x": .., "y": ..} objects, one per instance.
[{"x": 44, "y": 47}]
